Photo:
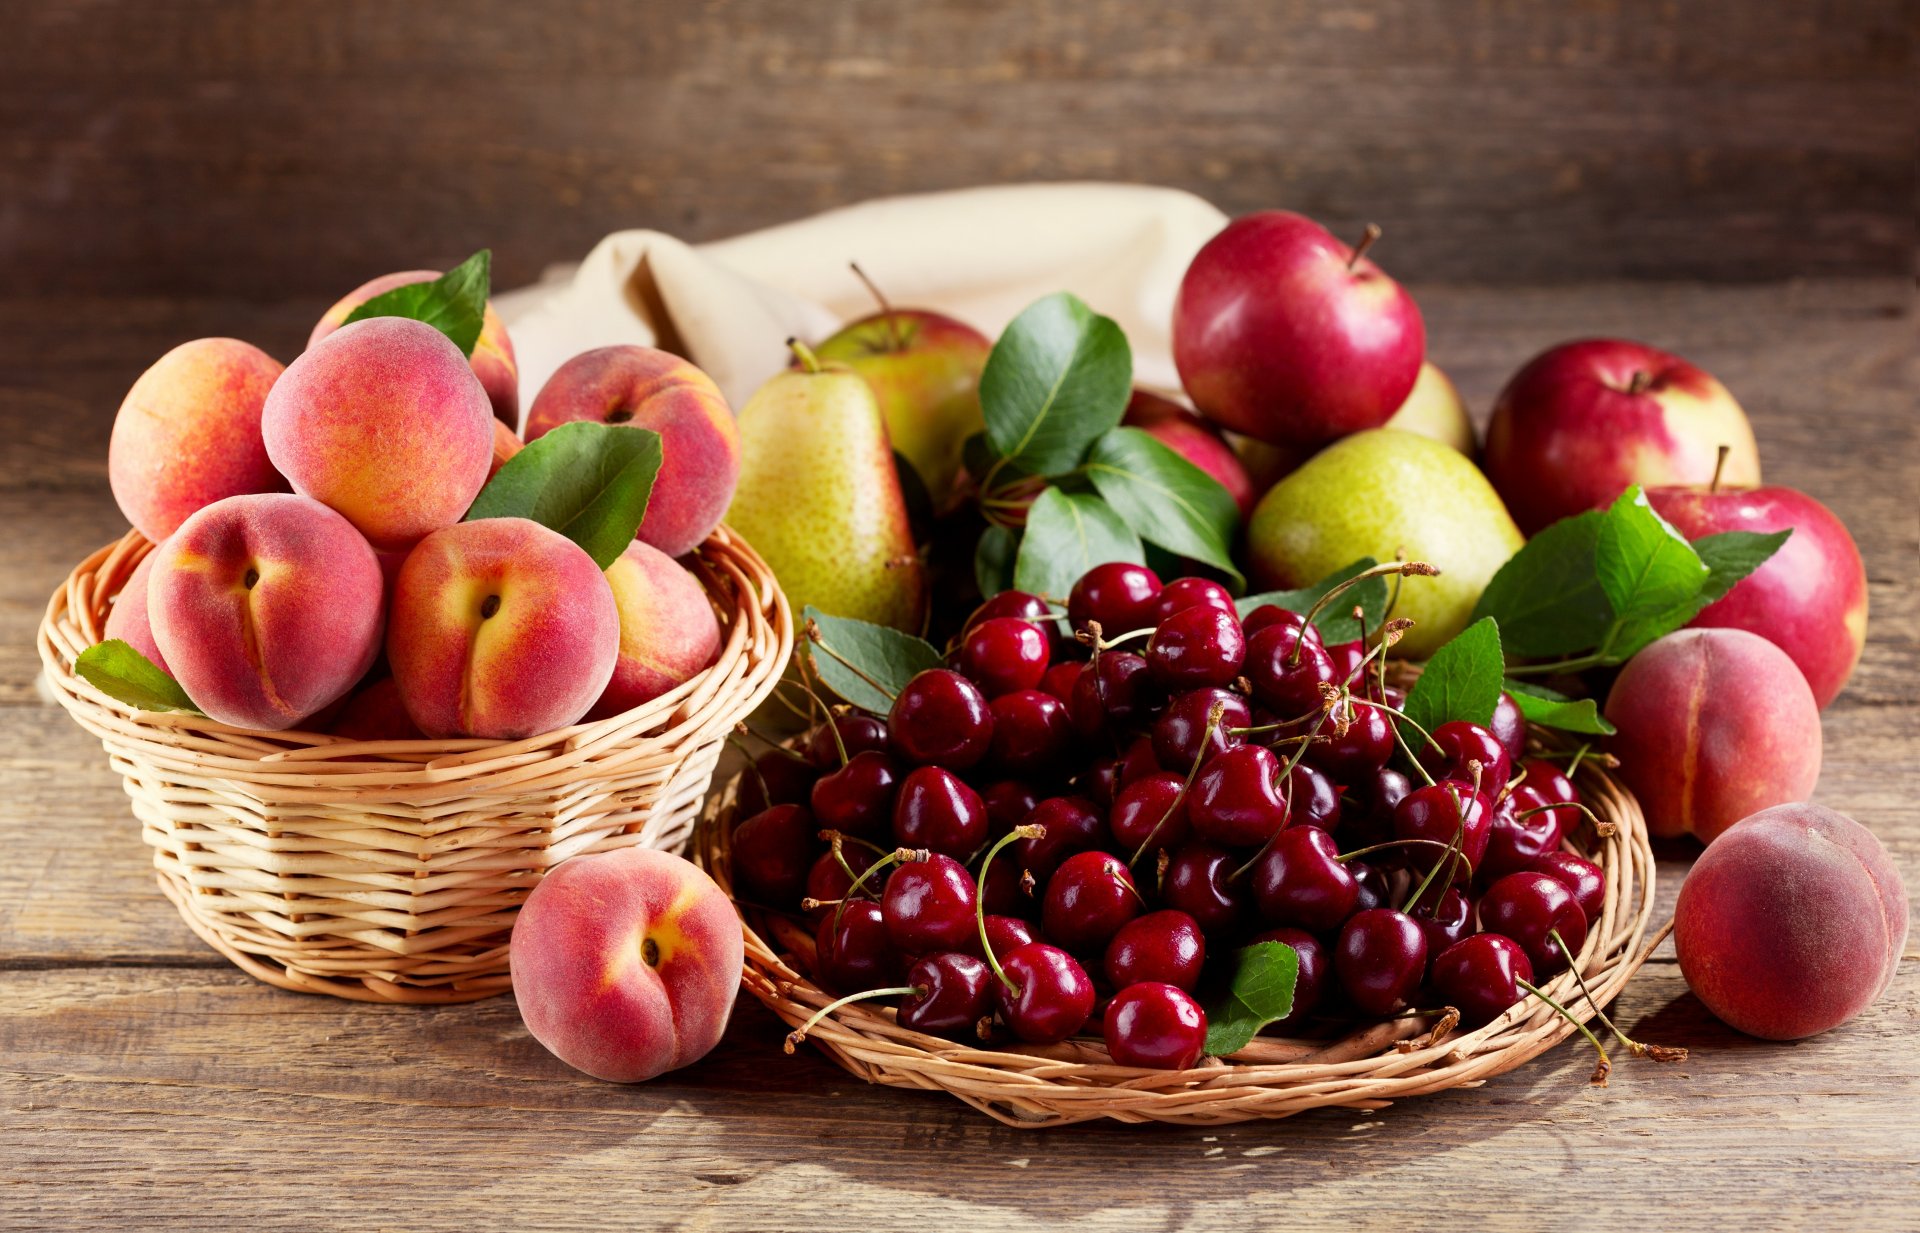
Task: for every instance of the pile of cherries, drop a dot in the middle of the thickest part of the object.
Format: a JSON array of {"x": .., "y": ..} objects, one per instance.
[{"x": 1074, "y": 818}]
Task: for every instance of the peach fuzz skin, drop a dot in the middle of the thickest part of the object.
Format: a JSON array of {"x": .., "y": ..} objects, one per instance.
[
  {"x": 1714, "y": 724},
  {"x": 267, "y": 608},
  {"x": 383, "y": 421},
  {"x": 626, "y": 963},
  {"x": 668, "y": 633},
  {"x": 700, "y": 444},
  {"x": 492, "y": 359},
  {"x": 188, "y": 434},
  {"x": 127, "y": 620},
  {"x": 500, "y": 629}
]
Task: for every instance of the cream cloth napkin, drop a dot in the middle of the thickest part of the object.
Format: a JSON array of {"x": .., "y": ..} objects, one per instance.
[{"x": 979, "y": 254}]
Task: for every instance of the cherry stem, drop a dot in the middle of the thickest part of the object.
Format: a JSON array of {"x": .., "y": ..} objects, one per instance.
[
  {"x": 1130, "y": 635},
  {"x": 818, "y": 639},
  {"x": 1659, "y": 1053},
  {"x": 773, "y": 745},
  {"x": 1285, "y": 776},
  {"x": 1215, "y": 715},
  {"x": 799, "y": 1034},
  {"x": 1605, "y": 1067},
  {"x": 808, "y": 360},
  {"x": 1367, "y": 238},
  {"x": 1454, "y": 847},
  {"x": 894, "y": 857},
  {"x": 1030, "y": 830},
  {"x": 1419, "y": 568},
  {"x": 1601, "y": 826},
  {"x": 837, "y": 838},
  {"x": 753, "y": 767},
  {"x": 1344, "y": 857},
  {"x": 886, "y": 309}
]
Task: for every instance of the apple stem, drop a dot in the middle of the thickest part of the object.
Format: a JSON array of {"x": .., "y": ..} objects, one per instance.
[
  {"x": 808, "y": 360},
  {"x": 1639, "y": 381},
  {"x": 1719, "y": 465},
  {"x": 1367, "y": 238},
  {"x": 886, "y": 309}
]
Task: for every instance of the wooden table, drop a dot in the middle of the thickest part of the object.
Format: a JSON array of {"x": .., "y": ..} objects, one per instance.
[{"x": 144, "y": 1082}]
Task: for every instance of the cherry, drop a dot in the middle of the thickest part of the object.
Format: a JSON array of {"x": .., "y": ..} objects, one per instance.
[
  {"x": 1196, "y": 647},
  {"x": 1184, "y": 593},
  {"x": 1032, "y": 731},
  {"x": 935, "y": 810},
  {"x": 827, "y": 881},
  {"x": 1149, "y": 814},
  {"x": 1183, "y": 730},
  {"x": 1551, "y": 786},
  {"x": 1346, "y": 658},
  {"x": 1236, "y": 798},
  {"x": 1120, "y": 596},
  {"x": 1481, "y": 976},
  {"x": 1376, "y": 888},
  {"x": 1310, "y": 982},
  {"x": 1515, "y": 842},
  {"x": 1019, "y": 604},
  {"x": 1059, "y": 680},
  {"x": 1100, "y": 782},
  {"x": 1003, "y": 654},
  {"x": 1050, "y": 996},
  {"x": 1363, "y": 748},
  {"x": 853, "y": 949},
  {"x": 1509, "y": 727},
  {"x": 1269, "y": 615},
  {"x": 1445, "y": 922},
  {"x": 1300, "y": 881},
  {"x": 1088, "y": 898},
  {"x": 930, "y": 905},
  {"x": 1111, "y": 691},
  {"x": 858, "y": 733},
  {"x": 1586, "y": 880},
  {"x": 1286, "y": 684},
  {"x": 1138, "y": 761},
  {"x": 857, "y": 799},
  {"x": 1461, "y": 744},
  {"x": 1004, "y": 933},
  {"x": 1529, "y": 908},
  {"x": 779, "y": 778},
  {"x": 1008, "y": 802},
  {"x": 1380, "y": 957},
  {"x": 1440, "y": 812},
  {"x": 1312, "y": 798},
  {"x": 1367, "y": 810},
  {"x": 952, "y": 992},
  {"x": 1198, "y": 881},
  {"x": 1002, "y": 893},
  {"x": 771, "y": 852},
  {"x": 942, "y": 719},
  {"x": 1165, "y": 946},
  {"x": 1072, "y": 824},
  {"x": 1155, "y": 1025}
]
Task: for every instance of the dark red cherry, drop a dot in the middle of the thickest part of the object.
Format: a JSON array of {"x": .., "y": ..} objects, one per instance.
[
  {"x": 1111, "y": 692},
  {"x": 1032, "y": 732},
  {"x": 1300, "y": 881},
  {"x": 1059, "y": 680},
  {"x": 1551, "y": 786},
  {"x": 1100, "y": 782},
  {"x": 1149, "y": 812},
  {"x": 1312, "y": 799},
  {"x": 1366, "y": 810},
  {"x": 1182, "y": 731},
  {"x": 1509, "y": 727},
  {"x": 930, "y": 905},
  {"x": 1235, "y": 798},
  {"x": 1005, "y": 933},
  {"x": 1381, "y": 958},
  {"x": 1051, "y": 996},
  {"x": 1184, "y": 593},
  {"x": 1445, "y": 922},
  {"x": 1087, "y": 900},
  {"x": 1072, "y": 823},
  {"x": 1268, "y": 615},
  {"x": 857, "y": 799},
  {"x": 1196, "y": 647},
  {"x": 941, "y": 719},
  {"x": 1004, "y": 893},
  {"x": 853, "y": 950},
  {"x": 1165, "y": 946},
  {"x": 1018, "y": 604},
  {"x": 1352, "y": 755},
  {"x": 771, "y": 853},
  {"x": 1120, "y": 596},
  {"x": 1155, "y": 1025},
  {"x": 1310, "y": 982},
  {"x": 935, "y": 810},
  {"x": 1586, "y": 880},
  {"x": 1138, "y": 761},
  {"x": 828, "y": 882},
  {"x": 1515, "y": 842},
  {"x": 1376, "y": 886},
  {"x": 1003, "y": 654},
  {"x": 1529, "y": 907},
  {"x": 1287, "y": 685},
  {"x": 787, "y": 780},
  {"x": 858, "y": 733},
  {"x": 952, "y": 992},
  {"x": 1437, "y": 813},
  {"x": 1480, "y": 976},
  {"x": 1198, "y": 882},
  {"x": 1462, "y": 743},
  {"x": 1346, "y": 658},
  {"x": 1008, "y": 802}
]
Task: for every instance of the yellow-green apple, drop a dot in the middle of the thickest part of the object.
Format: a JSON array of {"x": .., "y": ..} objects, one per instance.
[
  {"x": 924, "y": 368},
  {"x": 1434, "y": 409},
  {"x": 1584, "y": 420},
  {"x": 1282, "y": 332},
  {"x": 647, "y": 388},
  {"x": 625, "y": 963},
  {"x": 668, "y": 633},
  {"x": 492, "y": 358},
  {"x": 1809, "y": 598},
  {"x": 1383, "y": 494},
  {"x": 1195, "y": 440}
]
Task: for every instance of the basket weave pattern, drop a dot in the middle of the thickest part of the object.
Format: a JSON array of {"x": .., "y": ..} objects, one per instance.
[
  {"x": 390, "y": 871},
  {"x": 1369, "y": 1068}
]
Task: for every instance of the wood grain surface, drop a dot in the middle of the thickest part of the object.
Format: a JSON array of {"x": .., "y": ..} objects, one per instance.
[{"x": 144, "y": 1083}]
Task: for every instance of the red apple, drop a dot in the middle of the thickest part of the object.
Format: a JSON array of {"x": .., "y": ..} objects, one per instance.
[
  {"x": 1284, "y": 333},
  {"x": 1195, "y": 440},
  {"x": 1584, "y": 420},
  {"x": 1809, "y": 598}
]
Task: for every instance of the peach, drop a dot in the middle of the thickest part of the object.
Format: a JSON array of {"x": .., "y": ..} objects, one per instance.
[
  {"x": 375, "y": 713},
  {"x": 505, "y": 446},
  {"x": 1791, "y": 923},
  {"x": 384, "y": 421},
  {"x": 188, "y": 434},
  {"x": 501, "y": 629},
  {"x": 127, "y": 620},
  {"x": 492, "y": 358},
  {"x": 267, "y": 608},
  {"x": 700, "y": 445},
  {"x": 1714, "y": 724},
  {"x": 625, "y": 963},
  {"x": 668, "y": 633}
]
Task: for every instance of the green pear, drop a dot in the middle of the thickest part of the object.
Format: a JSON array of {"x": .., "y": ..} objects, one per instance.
[
  {"x": 1386, "y": 494},
  {"x": 1434, "y": 409},
  {"x": 820, "y": 501}
]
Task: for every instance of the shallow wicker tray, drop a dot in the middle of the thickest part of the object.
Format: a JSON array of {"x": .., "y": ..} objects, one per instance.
[
  {"x": 1076, "y": 1081},
  {"x": 390, "y": 871}
]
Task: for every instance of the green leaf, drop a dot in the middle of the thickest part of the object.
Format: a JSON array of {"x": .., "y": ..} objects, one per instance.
[
  {"x": 1165, "y": 498},
  {"x": 1551, "y": 709},
  {"x": 887, "y": 656},
  {"x": 1068, "y": 533},
  {"x": 454, "y": 303},
  {"x": 1650, "y": 573},
  {"x": 1547, "y": 598},
  {"x": 1463, "y": 679},
  {"x": 1731, "y": 556},
  {"x": 1335, "y": 622},
  {"x": 1259, "y": 992},
  {"x": 1058, "y": 378},
  {"x": 993, "y": 560},
  {"x": 114, "y": 668},
  {"x": 586, "y": 480}
]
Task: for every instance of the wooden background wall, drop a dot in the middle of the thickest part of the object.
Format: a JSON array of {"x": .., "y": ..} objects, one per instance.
[{"x": 266, "y": 149}]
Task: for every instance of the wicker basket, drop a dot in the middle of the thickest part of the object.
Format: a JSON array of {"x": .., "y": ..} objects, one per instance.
[
  {"x": 1076, "y": 1081},
  {"x": 390, "y": 871}
]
